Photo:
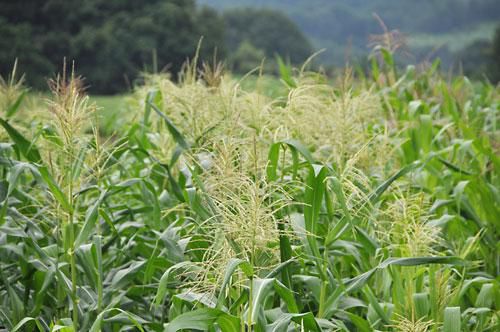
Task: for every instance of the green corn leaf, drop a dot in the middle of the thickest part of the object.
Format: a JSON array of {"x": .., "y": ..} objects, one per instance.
[
  {"x": 86, "y": 255},
  {"x": 360, "y": 323},
  {"x": 204, "y": 319},
  {"x": 285, "y": 73},
  {"x": 287, "y": 296},
  {"x": 54, "y": 189},
  {"x": 315, "y": 189},
  {"x": 176, "y": 134},
  {"x": 12, "y": 109},
  {"x": 468, "y": 284},
  {"x": 375, "y": 69},
  {"x": 91, "y": 217},
  {"x": 388, "y": 58},
  {"x": 25, "y": 321},
  {"x": 25, "y": 147},
  {"x": 486, "y": 296},
  {"x": 346, "y": 222},
  {"x": 376, "y": 306},
  {"x": 375, "y": 196},
  {"x": 134, "y": 319},
  {"x": 359, "y": 281},
  {"x": 296, "y": 148},
  {"x": 306, "y": 322},
  {"x": 261, "y": 289},
  {"x": 122, "y": 276},
  {"x": 163, "y": 285},
  {"x": 422, "y": 304},
  {"x": 452, "y": 319},
  {"x": 231, "y": 267}
]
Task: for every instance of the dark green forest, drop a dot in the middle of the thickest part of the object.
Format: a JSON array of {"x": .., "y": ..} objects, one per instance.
[{"x": 113, "y": 41}]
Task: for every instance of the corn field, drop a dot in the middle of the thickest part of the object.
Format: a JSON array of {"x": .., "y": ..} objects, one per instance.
[{"x": 367, "y": 203}]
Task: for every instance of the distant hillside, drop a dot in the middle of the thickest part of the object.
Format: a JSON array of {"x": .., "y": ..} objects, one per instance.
[{"x": 345, "y": 25}]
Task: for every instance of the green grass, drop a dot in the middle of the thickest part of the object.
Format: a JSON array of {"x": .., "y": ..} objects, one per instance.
[
  {"x": 110, "y": 106},
  {"x": 111, "y": 110},
  {"x": 301, "y": 205},
  {"x": 267, "y": 85}
]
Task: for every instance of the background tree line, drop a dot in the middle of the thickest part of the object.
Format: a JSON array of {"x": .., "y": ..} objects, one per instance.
[
  {"x": 459, "y": 32},
  {"x": 112, "y": 41},
  {"x": 343, "y": 26}
]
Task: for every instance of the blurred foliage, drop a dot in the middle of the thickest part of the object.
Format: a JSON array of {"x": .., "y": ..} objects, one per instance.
[
  {"x": 481, "y": 59},
  {"x": 112, "y": 41},
  {"x": 343, "y": 26},
  {"x": 246, "y": 57},
  {"x": 267, "y": 30},
  {"x": 496, "y": 56}
]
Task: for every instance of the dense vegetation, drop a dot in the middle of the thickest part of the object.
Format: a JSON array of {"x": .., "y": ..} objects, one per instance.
[
  {"x": 266, "y": 31},
  {"x": 359, "y": 205},
  {"x": 115, "y": 40},
  {"x": 315, "y": 15}
]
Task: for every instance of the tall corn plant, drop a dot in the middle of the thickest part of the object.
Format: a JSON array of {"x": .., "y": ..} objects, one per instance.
[{"x": 352, "y": 207}]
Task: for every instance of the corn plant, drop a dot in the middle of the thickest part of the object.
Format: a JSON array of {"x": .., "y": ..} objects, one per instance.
[{"x": 356, "y": 205}]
